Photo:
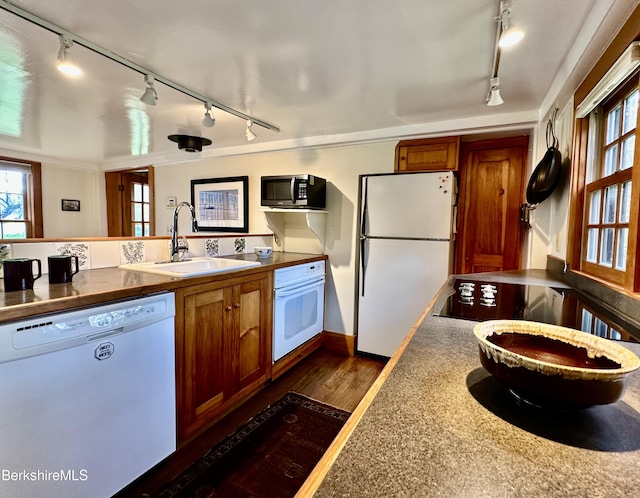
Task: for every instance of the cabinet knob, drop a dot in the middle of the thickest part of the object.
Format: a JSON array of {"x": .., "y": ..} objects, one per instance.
[
  {"x": 236, "y": 306},
  {"x": 228, "y": 308}
]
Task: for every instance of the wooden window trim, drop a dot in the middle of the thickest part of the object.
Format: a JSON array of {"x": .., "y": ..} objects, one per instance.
[
  {"x": 34, "y": 227},
  {"x": 631, "y": 282}
]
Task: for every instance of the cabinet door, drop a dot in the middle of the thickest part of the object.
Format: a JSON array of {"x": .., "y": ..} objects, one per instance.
[
  {"x": 433, "y": 154},
  {"x": 202, "y": 358},
  {"x": 252, "y": 331}
]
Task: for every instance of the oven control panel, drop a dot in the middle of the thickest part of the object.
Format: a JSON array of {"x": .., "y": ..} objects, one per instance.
[{"x": 297, "y": 273}]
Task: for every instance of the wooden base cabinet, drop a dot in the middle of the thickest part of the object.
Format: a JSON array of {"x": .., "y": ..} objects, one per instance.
[{"x": 223, "y": 347}]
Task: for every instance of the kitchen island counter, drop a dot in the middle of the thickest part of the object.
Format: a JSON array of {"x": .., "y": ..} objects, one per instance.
[{"x": 440, "y": 425}]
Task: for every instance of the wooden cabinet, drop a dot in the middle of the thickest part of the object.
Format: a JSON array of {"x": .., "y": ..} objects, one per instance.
[
  {"x": 429, "y": 154},
  {"x": 223, "y": 347}
]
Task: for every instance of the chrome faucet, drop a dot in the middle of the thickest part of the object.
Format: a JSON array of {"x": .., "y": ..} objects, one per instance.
[{"x": 174, "y": 253}]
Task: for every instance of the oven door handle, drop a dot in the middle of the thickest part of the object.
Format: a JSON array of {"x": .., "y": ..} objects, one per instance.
[{"x": 288, "y": 291}]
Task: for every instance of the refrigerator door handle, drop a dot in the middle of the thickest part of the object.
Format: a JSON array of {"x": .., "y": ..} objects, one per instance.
[
  {"x": 363, "y": 235},
  {"x": 363, "y": 263}
]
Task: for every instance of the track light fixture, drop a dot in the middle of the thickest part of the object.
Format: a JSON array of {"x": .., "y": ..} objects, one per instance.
[
  {"x": 493, "y": 97},
  {"x": 509, "y": 35},
  {"x": 208, "y": 119},
  {"x": 506, "y": 36},
  {"x": 249, "y": 132},
  {"x": 65, "y": 64},
  {"x": 150, "y": 96}
]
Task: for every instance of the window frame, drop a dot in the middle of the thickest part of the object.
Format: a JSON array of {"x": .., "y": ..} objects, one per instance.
[
  {"x": 601, "y": 183},
  {"x": 33, "y": 192}
]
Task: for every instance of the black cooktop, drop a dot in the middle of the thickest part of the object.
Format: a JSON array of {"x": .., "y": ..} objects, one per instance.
[{"x": 483, "y": 300}]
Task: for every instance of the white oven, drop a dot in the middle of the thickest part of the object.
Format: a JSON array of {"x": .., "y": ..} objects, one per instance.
[{"x": 298, "y": 308}]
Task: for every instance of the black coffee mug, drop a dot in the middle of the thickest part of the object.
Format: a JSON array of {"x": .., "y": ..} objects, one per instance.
[
  {"x": 60, "y": 271},
  {"x": 18, "y": 273}
]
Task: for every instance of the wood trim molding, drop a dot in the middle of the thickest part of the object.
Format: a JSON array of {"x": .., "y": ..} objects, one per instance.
[
  {"x": 36, "y": 200},
  {"x": 627, "y": 34},
  {"x": 339, "y": 343},
  {"x": 576, "y": 206}
]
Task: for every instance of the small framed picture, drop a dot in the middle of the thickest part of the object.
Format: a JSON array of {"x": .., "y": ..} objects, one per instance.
[{"x": 70, "y": 205}]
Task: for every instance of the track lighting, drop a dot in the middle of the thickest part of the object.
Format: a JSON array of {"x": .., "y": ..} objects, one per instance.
[
  {"x": 249, "y": 132},
  {"x": 208, "y": 119},
  {"x": 67, "y": 39},
  {"x": 493, "y": 97},
  {"x": 65, "y": 64},
  {"x": 509, "y": 35},
  {"x": 150, "y": 96}
]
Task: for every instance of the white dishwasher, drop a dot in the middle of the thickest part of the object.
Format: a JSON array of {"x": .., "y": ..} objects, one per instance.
[{"x": 87, "y": 398}]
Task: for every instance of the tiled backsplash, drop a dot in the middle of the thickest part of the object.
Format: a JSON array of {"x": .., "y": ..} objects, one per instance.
[{"x": 108, "y": 253}]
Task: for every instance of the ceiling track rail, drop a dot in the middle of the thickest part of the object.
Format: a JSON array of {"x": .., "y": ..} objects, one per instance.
[{"x": 43, "y": 23}]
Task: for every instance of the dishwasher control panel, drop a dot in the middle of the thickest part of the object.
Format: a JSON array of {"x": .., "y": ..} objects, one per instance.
[{"x": 84, "y": 325}]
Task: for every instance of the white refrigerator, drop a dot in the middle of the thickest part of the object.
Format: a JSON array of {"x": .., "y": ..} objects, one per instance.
[{"x": 405, "y": 253}]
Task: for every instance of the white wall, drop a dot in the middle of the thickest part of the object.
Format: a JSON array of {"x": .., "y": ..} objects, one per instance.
[
  {"x": 340, "y": 166},
  {"x": 83, "y": 184},
  {"x": 550, "y": 219}
]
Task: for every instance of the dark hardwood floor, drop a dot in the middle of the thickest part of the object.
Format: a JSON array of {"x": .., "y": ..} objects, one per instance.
[{"x": 338, "y": 380}]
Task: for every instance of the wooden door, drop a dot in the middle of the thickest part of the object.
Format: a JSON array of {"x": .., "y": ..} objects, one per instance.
[
  {"x": 129, "y": 214},
  {"x": 492, "y": 180},
  {"x": 200, "y": 344},
  {"x": 251, "y": 332}
]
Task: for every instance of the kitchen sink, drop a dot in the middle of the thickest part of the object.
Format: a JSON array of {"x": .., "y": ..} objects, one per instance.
[{"x": 191, "y": 267}]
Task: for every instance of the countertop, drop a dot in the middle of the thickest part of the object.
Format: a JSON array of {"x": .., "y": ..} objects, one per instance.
[
  {"x": 90, "y": 287},
  {"x": 440, "y": 426}
]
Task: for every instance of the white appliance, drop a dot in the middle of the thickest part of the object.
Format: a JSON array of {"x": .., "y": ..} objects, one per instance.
[
  {"x": 405, "y": 253},
  {"x": 298, "y": 307},
  {"x": 87, "y": 398}
]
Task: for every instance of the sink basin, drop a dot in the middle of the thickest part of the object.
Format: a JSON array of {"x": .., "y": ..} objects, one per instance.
[{"x": 190, "y": 268}]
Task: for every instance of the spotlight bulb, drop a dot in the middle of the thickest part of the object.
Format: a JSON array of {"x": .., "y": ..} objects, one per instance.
[
  {"x": 510, "y": 37},
  {"x": 65, "y": 64}
]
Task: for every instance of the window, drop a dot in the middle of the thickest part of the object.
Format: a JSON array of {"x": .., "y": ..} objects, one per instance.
[
  {"x": 20, "y": 199},
  {"x": 140, "y": 209},
  {"x": 609, "y": 184},
  {"x": 604, "y": 221}
]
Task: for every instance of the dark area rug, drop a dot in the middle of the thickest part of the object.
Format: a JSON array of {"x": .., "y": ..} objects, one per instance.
[{"x": 270, "y": 456}]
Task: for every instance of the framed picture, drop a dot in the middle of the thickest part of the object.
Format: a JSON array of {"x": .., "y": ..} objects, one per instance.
[
  {"x": 70, "y": 205},
  {"x": 221, "y": 204}
]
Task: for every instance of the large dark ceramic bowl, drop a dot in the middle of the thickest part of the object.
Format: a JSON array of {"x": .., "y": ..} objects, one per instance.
[{"x": 554, "y": 366}]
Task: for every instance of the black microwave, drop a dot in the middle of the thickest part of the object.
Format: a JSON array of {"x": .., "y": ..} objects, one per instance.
[{"x": 293, "y": 191}]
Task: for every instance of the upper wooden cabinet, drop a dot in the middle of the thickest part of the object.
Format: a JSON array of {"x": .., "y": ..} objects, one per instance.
[{"x": 428, "y": 154}]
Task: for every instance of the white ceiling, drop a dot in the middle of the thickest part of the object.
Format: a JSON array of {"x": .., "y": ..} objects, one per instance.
[{"x": 324, "y": 72}]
